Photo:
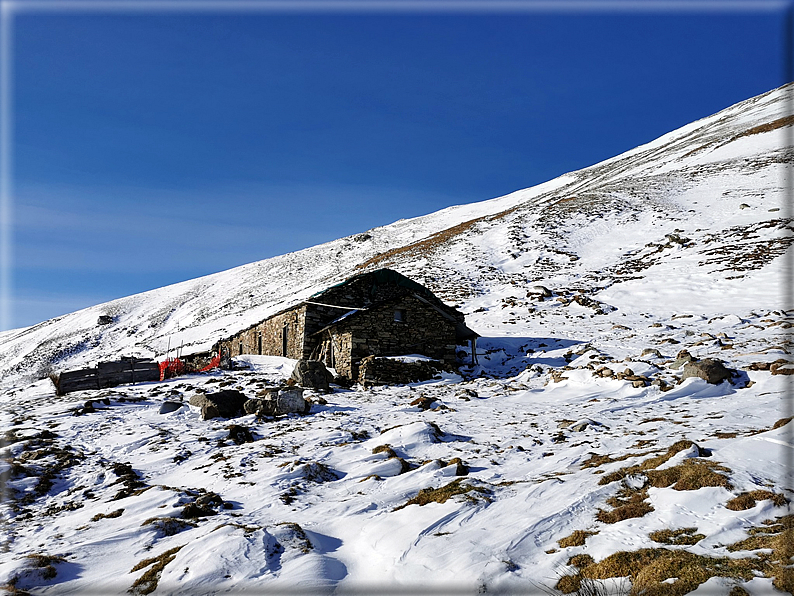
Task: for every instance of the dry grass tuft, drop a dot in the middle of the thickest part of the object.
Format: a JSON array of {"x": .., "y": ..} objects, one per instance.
[
  {"x": 747, "y": 500},
  {"x": 782, "y": 422},
  {"x": 626, "y": 504},
  {"x": 651, "y": 463},
  {"x": 112, "y": 514},
  {"x": 147, "y": 583},
  {"x": 168, "y": 526},
  {"x": 691, "y": 474},
  {"x": 661, "y": 572},
  {"x": 385, "y": 449},
  {"x": 680, "y": 537},
  {"x": 581, "y": 561},
  {"x": 578, "y": 538},
  {"x": 442, "y": 494}
]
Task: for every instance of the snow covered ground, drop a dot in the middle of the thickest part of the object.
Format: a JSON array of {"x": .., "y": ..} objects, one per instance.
[{"x": 547, "y": 467}]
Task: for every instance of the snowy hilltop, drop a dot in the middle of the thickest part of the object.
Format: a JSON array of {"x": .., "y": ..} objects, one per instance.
[{"x": 627, "y": 428}]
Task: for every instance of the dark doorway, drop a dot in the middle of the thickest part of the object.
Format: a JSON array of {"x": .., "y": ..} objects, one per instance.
[
  {"x": 259, "y": 344},
  {"x": 284, "y": 338}
]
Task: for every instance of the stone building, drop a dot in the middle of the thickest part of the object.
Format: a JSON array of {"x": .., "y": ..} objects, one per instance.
[{"x": 381, "y": 313}]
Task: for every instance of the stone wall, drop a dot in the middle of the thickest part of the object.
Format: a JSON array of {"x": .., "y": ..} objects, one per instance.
[
  {"x": 375, "y": 332},
  {"x": 384, "y": 371},
  {"x": 267, "y": 337}
]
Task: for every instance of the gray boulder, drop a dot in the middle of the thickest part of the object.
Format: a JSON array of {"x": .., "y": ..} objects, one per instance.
[
  {"x": 277, "y": 403},
  {"x": 312, "y": 374},
  {"x": 227, "y": 403},
  {"x": 709, "y": 369},
  {"x": 290, "y": 401},
  {"x": 682, "y": 358},
  {"x": 170, "y": 406}
]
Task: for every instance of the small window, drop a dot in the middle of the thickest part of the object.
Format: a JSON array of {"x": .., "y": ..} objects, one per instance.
[{"x": 399, "y": 316}]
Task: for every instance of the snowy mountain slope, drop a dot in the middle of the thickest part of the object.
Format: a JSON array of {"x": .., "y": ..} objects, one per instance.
[
  {"x": 576, "y": 452},
  {"x": 599, "y": 226}
]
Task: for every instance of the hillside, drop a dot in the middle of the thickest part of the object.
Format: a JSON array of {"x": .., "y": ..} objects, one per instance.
[{"x": 576, "y": 469}]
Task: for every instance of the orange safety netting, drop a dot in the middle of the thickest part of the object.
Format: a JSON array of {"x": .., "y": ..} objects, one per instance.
[{"x": 170, "y": 368}]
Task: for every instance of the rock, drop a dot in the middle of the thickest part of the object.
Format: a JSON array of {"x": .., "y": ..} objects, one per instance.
[
  {"x": 579, "y": 427},
  {"x": 252, "y": 406},
  {"x": 209, "y": 499},
  {"x": 681, "y": 358},
  {"x": 191, "y": 510},
  {"x": 541, "y": 291},
  {"x": 782, "y": 367},
  {"x": 290, "y": 401},
  {"x": 652, "y": 352},
  {"x": 170, "y": 406},
  {"x": 239, "y": 434},
  {"x": 744, "y": 206},
  {"x": 709, "y": 369},
  {"x": 226, "y": 403},
  {"x": 104, "y": 320},
  {"x": 312, "y": 374}
]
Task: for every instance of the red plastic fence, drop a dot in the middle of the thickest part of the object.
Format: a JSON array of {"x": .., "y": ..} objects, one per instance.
[
  {"x": 214, "y": 363},
  {"x": 170, "y": 368}
]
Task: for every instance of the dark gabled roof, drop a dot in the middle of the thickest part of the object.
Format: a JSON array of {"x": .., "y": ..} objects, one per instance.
[
  {"x": 461, "y": 330},
  {"x": 381, "y": 277}
]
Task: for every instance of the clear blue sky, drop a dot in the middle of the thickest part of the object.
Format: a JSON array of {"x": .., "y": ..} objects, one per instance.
[{"x": 151, "y": 148}]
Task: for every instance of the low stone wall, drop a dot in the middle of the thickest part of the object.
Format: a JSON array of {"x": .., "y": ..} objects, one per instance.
[{"x": 387, "y": 371}]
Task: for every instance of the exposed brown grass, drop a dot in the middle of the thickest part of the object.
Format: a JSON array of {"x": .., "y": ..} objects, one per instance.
[
  {"x": 649, "y": 568},
  {"x": 595, "y": 460},
  {"x": 626, "y": 504},
  {"x": 578, "y": 538},
  {"x": 748, "y": 500},
  {"x": 168, "y": 525},
  {"x": 768, "y": 127},
  {"x": 112, "y": 514},
  {"x": 385, "y": 449},
  {"x": 782, "y": 422},
  {"x": 147, "y": 583},
  {"x": 442, "y": 494},
  {"x": 691, "y": 474},
  {"x": 580, "y": 561},
  {"x": 650, "y": 463},
  {"x": 679, "y": 537},
  {"x": 422, "y": 247}
]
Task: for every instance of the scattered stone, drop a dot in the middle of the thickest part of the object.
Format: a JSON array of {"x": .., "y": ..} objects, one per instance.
[
  {"x": 104, "y": 320},
  {"x": 681, "y": 358},
  {"x": 312, "y": 374},
  {"x": 290, "y": 401},
  {"x": 170, "y": 406},
  {"x": 651, "y": 352},
  {"x": 709, "y": 369},
  {"x": 226, "y": 403},
  {"x": 192, "y": 510},
  {"x": 423, "y": 403},
  {"x": 539, "y": 292},
  {"x": 240, "y": 434},
  {"x": 744, "y": 206},
  {"x": 782, "y": 367}
]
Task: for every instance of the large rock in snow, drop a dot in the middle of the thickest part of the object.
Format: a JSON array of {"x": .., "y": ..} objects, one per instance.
[
  {"x": 312, "y": 374},
  {"x": 227, "y": 403},
  {"x": 710, "y": 369}
]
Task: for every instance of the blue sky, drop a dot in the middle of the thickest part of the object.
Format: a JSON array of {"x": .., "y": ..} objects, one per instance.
[{"x": 150, "y": 148}]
